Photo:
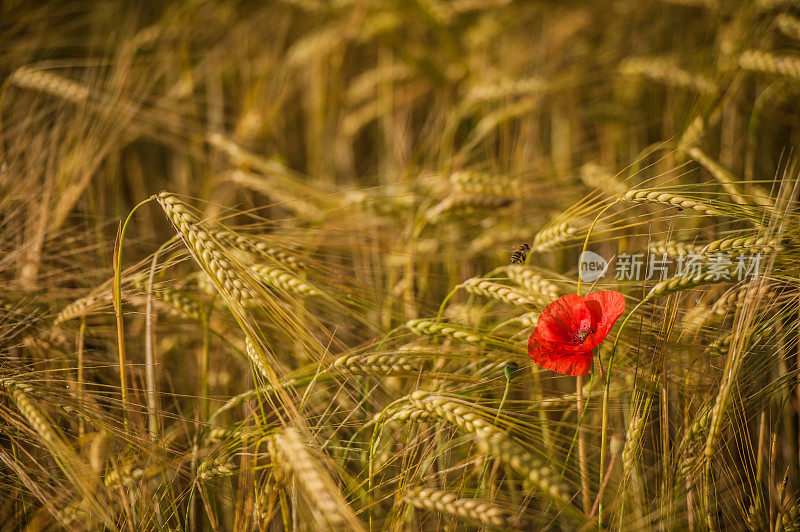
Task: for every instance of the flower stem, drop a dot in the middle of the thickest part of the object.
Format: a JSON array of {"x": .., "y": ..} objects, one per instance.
[{"x": 584, "y": 465}]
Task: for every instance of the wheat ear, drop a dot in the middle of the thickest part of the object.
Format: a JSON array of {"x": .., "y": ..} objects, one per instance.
[
  {"x": 527, "y": 278},
  {"x": 462, "y": 334},
  {"x": 665, "y": 71},
  {"x": 553, "y": 236},
  {"x": 284, "y": 280},
  {"x": 494, "y": 441},
  {"x": 671, "y": 200},
  {"x": 471, "y": 509},
  {"x": 506, "y": 294},
  {"x": 206, "y": 251},
  {"x": 293, "y": 457},
  {"x": 760, "y": 61},
  {"x": 53, "y": 84}
]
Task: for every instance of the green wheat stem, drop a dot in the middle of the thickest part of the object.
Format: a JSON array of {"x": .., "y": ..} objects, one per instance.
[
  {"x": 80, "y": 348},
  {"x": 444, "y": 303},
  {"x": 117, "y": 293},
  {"x": 494, "y": 422},
  {"x": 586, "y": 240},
  {"x": 606, "y": 390}
]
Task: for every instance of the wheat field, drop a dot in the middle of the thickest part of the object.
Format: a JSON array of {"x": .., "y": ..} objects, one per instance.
[{"x": 255, "y": 264}]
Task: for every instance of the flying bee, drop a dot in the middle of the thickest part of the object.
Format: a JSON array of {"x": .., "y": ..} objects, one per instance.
[{"x": 519, "y": 255}]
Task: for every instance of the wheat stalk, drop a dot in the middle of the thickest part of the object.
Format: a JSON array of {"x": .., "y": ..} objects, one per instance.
[
  {"x": 751, "y": 244},
  {"x": 127, "y": 474},
  {"x": 741, "y": 338},
  {"x": 81, "y": 307},
  {"x": 403, "y": 412},
  {"x": 761, "y": 61},
  {"x": 736, "y": 297},
  {"x": 595, "y": 176},
  {"x": 283, "y": 280},
  {"x": 178, "y": 300},
  {"x": 671, "y": 200},
  {"x": 40, "y": 423},
  {"x": 450, "y": 503},
  {"x": 664, "y": 70},
  {"x": 506, "y": 88},
  {"x": 674, "y": 248},
  {"x": 527, "y": 278},
  {"x": 728, "y": 180},
  {"x": 256, "y": 246},
  {"x": 382, "y": 364},
  {"x": 494, "y": 441},
  {"x": 78, "y": 473},
  {"x": 366, "y": 84},
  {"x": 529, "y": 319},
  {"x": 284, "y": 194},
  {"x": 693, "y": 440},
  {"x": 553, "y": 236},
  {"x": 633, "y": 444},
  {"x": 462, "y": 334},
  {"x": 682, "y": 282},
  {"x": 205, "y": 250},
  {"x": 506, "y": 294},
  {"x": 257, "y": 358},
  {"x": 485, "y": 184},
  {"x": 789, "y": 25},
  {"x": 330, "y": 510},
  {"x": 50, "y": 83},
  {"x": 464, "y": 204},
  {"x": 216, "y": 467},
  {"x": 692, "y": 134}
]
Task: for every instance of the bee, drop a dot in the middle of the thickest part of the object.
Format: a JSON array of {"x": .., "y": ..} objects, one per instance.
[{"x": 519, "y": 255}]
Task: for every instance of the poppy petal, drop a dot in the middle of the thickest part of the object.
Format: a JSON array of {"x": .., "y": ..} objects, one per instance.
[
  {"x": 569, "y": 329},
  {"x": 561, "y": 318},
  {"x": 612, "y": 304},
  {"x": 549, "y": 355}
]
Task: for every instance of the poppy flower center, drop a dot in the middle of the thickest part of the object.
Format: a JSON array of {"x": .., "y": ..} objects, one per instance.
[{"x": 579, "y": 336}]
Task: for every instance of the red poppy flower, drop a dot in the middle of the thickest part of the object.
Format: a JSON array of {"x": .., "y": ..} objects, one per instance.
[{"x": 570, "y": 327}]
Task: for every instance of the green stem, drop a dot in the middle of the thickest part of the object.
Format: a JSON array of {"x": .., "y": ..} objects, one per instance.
[
  {"x": 204, "y": 403},
  {"x": 604, "y": 425},
  {"x": 81, "y": 345},
  {"x": 444, "y": 302},
  {"x": 494, "y": 422},
  {"x": 586, "y": 240},
  {"x": 580, "y": 422},
  {"x": 371, "y": 470},
  {"x": 117, "y": 293}
]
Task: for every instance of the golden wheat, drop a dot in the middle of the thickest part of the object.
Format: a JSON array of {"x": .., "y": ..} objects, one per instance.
[{"x": 450, "y": 503}]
